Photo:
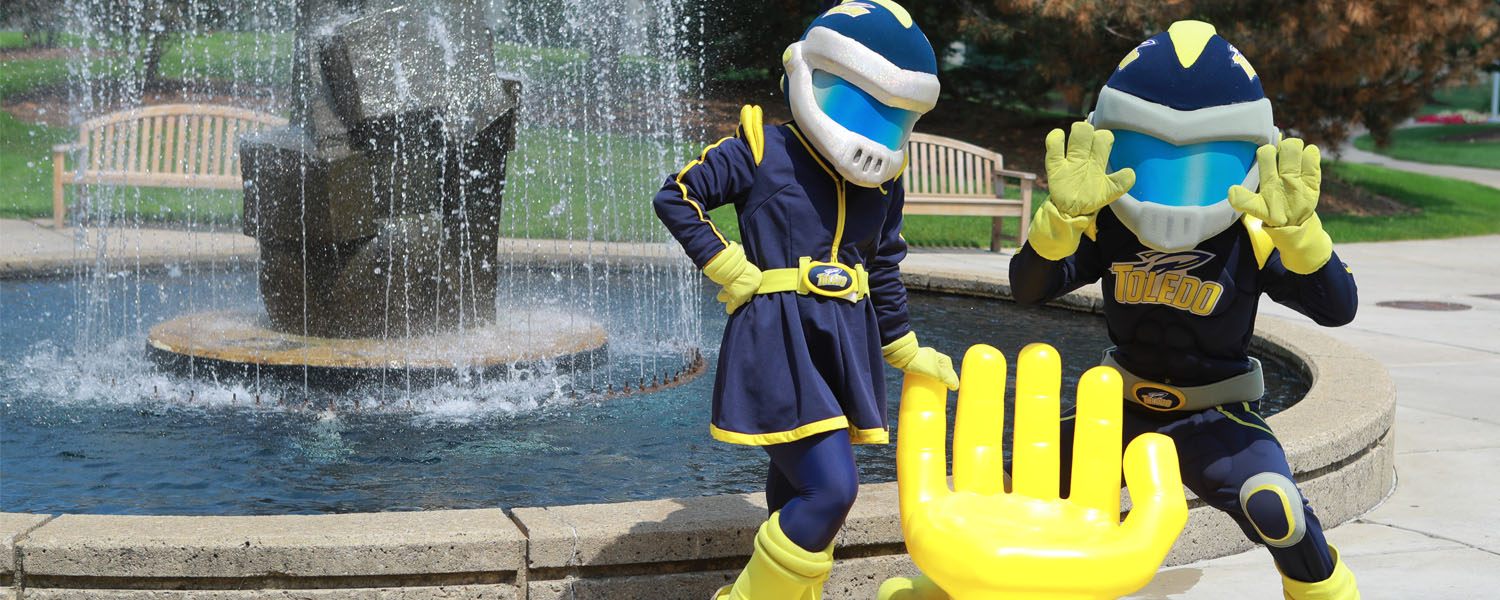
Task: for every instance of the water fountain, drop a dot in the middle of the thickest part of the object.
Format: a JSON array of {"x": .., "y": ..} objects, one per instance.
[
  {"x": 606, "y": 107},
  {"x": 377, "y": 212}
]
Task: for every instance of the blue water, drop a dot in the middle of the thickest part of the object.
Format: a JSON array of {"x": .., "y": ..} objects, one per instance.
[{"x": 89, "y": 426}]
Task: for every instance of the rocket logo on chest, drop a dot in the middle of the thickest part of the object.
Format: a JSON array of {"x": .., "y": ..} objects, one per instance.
[{"x": 1162, "y": 278}]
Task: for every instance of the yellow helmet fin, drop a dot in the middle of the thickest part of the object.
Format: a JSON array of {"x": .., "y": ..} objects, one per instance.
[{"x": 1189, "y": 38}]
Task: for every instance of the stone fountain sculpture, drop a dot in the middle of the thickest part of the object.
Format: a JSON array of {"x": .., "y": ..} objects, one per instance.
[
  {"x": 377, "y": 211},
  {"x": 378, "y": 208}
]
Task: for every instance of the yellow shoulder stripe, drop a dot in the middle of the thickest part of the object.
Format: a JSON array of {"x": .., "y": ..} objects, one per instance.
[
  {"x": 696, "y": 206},
  {"x": 1260, "y": 241},
  {"x": 752, "y": 130}
]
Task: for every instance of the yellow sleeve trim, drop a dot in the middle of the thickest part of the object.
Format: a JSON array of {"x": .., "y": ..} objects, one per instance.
[
  {"x": 753, "y": 131},
  {"x": 696, "y": 206},
  {"x": 1260, "y": 241},
  {"x": 858, "y": 436}
]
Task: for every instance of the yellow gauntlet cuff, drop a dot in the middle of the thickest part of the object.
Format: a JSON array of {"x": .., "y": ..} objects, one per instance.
[
  {"x": 900, "y": 352},
  {"x": 1055, "y": 236},
  {"x": 1304, "y": 248}
]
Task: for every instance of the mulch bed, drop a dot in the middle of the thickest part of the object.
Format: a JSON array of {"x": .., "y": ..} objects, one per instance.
[
  {"x": 1339, "y": 198},
  {"x": 1488, "y": 134},
  {"x": 65, "y": 104},
  {"x": 35, "y": 53}
]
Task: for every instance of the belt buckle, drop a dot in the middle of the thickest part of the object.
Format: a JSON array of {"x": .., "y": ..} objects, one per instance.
[{"x": 831, "y": 279}]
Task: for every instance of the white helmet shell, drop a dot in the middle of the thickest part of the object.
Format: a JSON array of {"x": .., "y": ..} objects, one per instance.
[{"x": 857, "y": 158}]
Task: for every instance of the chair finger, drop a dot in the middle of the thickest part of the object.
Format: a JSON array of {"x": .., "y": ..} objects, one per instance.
[
  {"x": 1038, "y": 384},
  {"x": 979, "y": 427},
  {"x": 921, "y": 459},
  {"x": 1158, "y": 506},
  {"x": 1096, "y": 441}
]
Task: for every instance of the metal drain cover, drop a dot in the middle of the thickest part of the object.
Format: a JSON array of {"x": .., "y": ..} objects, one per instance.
[{"x": 1423, "y": 305}]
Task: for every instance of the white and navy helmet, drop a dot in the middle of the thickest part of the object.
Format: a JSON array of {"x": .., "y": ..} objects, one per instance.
[
  {"x": 857, "y": 81},
  {"x": 1188, "y": 112}
]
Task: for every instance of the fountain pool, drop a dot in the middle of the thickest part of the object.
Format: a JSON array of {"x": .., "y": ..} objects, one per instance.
[{"x": 104, "y": 431}]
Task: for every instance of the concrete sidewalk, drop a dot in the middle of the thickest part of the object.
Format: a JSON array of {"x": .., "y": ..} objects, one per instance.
[
  {"x": 1347, "y": 152},
  {"x": 33, "y": 247}
]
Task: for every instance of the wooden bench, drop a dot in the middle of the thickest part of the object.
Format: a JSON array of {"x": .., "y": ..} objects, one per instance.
[
  {"x": 947, "y": 177},
  {"x": 168, "y": 145}
]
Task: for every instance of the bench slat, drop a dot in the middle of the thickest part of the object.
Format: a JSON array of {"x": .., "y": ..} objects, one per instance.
[
  {"x": 170, "y": 145},
  {"x": 950, "y": 177}
]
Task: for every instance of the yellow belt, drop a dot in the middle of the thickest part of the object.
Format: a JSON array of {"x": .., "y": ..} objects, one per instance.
[{"x": 835, "y": 280}]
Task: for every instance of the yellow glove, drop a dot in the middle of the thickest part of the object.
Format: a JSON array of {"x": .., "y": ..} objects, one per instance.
[
  {"x": 740, "y": 278},
  {"x": 1290, "y": 178},
  {"x": 907, "y": 355},
  {"x": 979, "y": 541},
  {"x": 1079, "y": 188}
]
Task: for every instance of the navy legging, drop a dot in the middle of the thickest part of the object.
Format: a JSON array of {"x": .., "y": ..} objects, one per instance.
[
  {"x": 813, "y": 482},
  {"x": 1218, "y": 450}
]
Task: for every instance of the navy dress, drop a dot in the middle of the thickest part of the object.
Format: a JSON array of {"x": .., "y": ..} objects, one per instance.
[{"x": 794, "y": 365}]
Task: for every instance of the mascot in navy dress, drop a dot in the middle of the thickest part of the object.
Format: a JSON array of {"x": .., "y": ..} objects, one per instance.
[
  {"x": 814, "y": 292},
  {"x": 1179, "y": 195}
]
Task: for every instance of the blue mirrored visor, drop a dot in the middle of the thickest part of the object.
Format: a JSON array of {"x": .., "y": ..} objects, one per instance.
[
  {"x": 860, "y": 112},
  {"x": 1192, "y": 175}
]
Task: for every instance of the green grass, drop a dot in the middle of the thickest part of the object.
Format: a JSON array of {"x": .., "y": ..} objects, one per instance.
[
  {"x": 567, "y": 184},
  {"x": 255, "y": 58},
  {"x": 1421, "y": 144},
  {"x": 1448, "y": 207},
  {"x": 1475, "y": 96},
  {"x": 26, "y": 185},
  {"x": 26, "y": 167}
]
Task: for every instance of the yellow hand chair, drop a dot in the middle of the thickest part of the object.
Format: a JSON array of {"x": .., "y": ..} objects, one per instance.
[{"x": 978, "y": 539}]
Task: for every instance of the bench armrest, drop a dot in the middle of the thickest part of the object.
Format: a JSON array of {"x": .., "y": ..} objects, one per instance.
[
  {"x": 1023, "y": 175},
  {"x": 65, "y": 148}
]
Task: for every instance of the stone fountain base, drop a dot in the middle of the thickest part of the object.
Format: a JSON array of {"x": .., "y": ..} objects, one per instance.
[{"x": 241, "y": 344}]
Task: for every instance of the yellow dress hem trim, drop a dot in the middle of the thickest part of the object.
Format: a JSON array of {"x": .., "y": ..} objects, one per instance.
[{"x": 856, "y": 435}]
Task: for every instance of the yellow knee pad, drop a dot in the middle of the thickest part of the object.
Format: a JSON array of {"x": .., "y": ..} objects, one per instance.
[{"x": 1274, "y": 507}]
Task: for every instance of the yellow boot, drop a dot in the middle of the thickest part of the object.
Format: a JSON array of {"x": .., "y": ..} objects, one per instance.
[
  {"x": 815, "y": 591},
  {"x": 1339, "y": 586},
  {"x": 779, "y": 569},
  {"x": 910, "y": 588}
]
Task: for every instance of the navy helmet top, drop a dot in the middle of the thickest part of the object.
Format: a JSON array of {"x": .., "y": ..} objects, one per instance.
[{"x": 1220, "y": 75}]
